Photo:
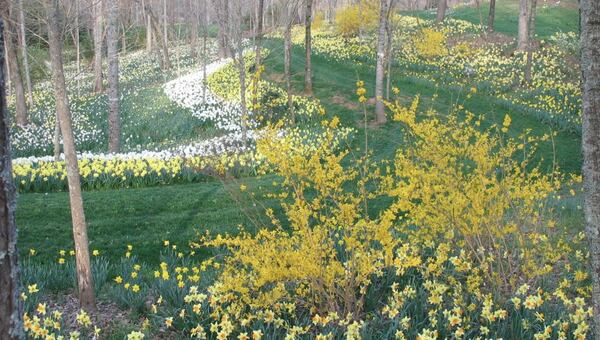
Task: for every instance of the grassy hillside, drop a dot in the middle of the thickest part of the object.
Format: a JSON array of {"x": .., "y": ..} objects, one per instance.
[{"x": 552, "y": 16}]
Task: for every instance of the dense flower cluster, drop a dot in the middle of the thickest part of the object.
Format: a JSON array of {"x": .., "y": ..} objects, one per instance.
[
  {"x": 442, "y": 258},
  {"x": 437, "y": 53}
]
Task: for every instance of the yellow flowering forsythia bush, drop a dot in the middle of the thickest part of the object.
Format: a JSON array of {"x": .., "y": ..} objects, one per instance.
[{"x": 454, "y": 237}]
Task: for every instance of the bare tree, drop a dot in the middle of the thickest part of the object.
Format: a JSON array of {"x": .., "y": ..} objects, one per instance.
[
  {"x": 165, "y": 60},
  {"x": 23, "y": 48},
  {"x": 590, "y": 66},
  {"x": 84, "y": 273},
  {"x": 441, "y": 10},
  {"x": 258, "y": 45},
  {"x": 114, "y": 125},
  {"x": 222, "y": 9},
  {"x": 11, "y": 308},
  {"x": 291, "y": 9},
  {"x": 193, "y": 19},
  {"x": 12, "y": 61},
  {"x": 308, "y": 47},
  {"x": 205, "y": 22},
  {"x": 97, "y": 32},
  {"x": 525, "y": 17},
  {"x": 491, "y": 16},
  {"x": 384, "y": 14}
]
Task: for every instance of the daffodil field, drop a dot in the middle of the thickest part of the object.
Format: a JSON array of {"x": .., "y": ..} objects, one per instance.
[{"x": 461, "y": 231}]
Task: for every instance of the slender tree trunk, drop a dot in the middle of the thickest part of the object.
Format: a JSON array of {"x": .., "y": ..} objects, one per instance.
[
  {"x": 114, "y": 125},
  {"x": 257, "y": 47},
  {"x": 308, "y": 48},
  {"x": 287, "y": 67},
  {"x": 11, "y": 307},
  {"x": 24, "y": 56},
  {"x": 491, "y": 16},
  {"x": 590, "y": 66},
  {"x": 441, "y": 11},
  {"x": 166, "y": 61},
  {"x": 84, "y": 273},
  {"x": 388, "y": 60},
  {"x": 124, "y": 39},
  {"x": 148, "y": 30},
  {"x": 56, "y": 138},
  {"x": 523, "y": 33},
  {"x": 165, "y": 25},
  {"x": 204, "y": 48},
  {"x": 97, "y": 12},
  {"x": 384, "y": 11},
  {"x": 17, "y": 82},
  {"x": 77, "y": 47},
  {"x": 193, "y": 18}
]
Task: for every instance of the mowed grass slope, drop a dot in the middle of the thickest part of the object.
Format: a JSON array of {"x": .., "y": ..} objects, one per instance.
[{"x": 552, "y": 16}]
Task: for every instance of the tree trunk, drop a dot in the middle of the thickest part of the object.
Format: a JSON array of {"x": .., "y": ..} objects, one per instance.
[
  {"x": 11, "y": 307},
  {"x": 308, "y": 47},
  {"x": 523, "y": 33},
  {"x": 56, "y": 138},
  {"x": 257, "y": 47},
  {"x": 24, "y": 56},
  {"x": 384, "y": 11},
  {"x": 287, "y": 68},
  {"x": 124, "y": 39},
  {"x": 165, "y": 61},
  {"x": 77, "y": 46},
  {"x": 222, "y": 9},
  {"x": 148, "y": 30},
  {"x": 84, "y": 273},
  {"x": 204, "y": 48},
  {"x": 165, "y": 25},
  {"x": 441, "y": 11},
  {"x": 193, "y": 18},
  {"x": 15, "y": 75},
  {"x": 590, "y": 66},
  {"x": 491, "y": 16},
  {"x": 114, "y": 125},
  {"x": 97, "y": 31},
  {"x": 13, "y": 64}
]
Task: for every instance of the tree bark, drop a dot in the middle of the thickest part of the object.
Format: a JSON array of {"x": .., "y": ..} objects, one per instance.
[
  {"x": 491, "y": 16},
  {"x": 384, "y": 12},
  {"x": 523, "y": 33},
  {"x": 97, "y": 32},
  {"x": 204, "y": 47},
  {"x": 148, "y": 30},
  {"x": 441, "y": 11},
  {"x": 84, "y": 273},
  {"x": 193, "y": 18},
  {"x": 13, "y": 64},
  {"x": 287, "y": 68},
  {"x": 165, "y": 61},
  {"x": 165, "y": 25},
  {"x": 24, "y": 56},
  {"x": 308, "y": 48},
  {"x": 11, "y": 307},
  {"x": 114, "y": 125},
  {"x": 258, "y": 44},
  {"x": 590, "y": 66},
  {"x": 77, "y": 46}
]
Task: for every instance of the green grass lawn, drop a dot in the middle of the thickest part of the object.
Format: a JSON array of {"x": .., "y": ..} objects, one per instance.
[
  {"x": 550, "y": 18},
  {"x": 140, "y": 217}
]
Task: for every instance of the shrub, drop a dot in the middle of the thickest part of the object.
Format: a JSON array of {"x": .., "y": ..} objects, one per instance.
[{"x": 352, "y": 19}]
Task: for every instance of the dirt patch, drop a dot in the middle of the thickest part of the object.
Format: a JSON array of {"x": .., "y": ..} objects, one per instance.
[
  {"x": 276, "y": 77},
  {"x": 341, "y": 100},
  {"x": 107, "y": 316}
]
